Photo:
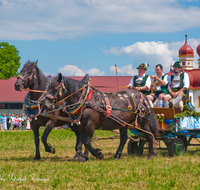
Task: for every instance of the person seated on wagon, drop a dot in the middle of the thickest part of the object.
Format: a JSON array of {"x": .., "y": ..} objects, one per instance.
[
  {"x": 142, "y": 81},
  {"x": 178, "y": 84},
  {"x": 159, "y": 84}
]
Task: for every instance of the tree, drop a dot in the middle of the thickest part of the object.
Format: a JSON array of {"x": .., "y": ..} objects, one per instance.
[{"x": 9, "y": 60}]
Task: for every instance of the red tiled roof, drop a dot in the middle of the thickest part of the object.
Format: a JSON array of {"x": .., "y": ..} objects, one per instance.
[
  {"x": 8, "y": 92},
  {"x": 102, "y": 83},
  {"x": 108, "y": 83}
]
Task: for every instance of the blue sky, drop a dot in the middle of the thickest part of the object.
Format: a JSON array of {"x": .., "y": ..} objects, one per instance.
[{"x": 76, "y": 37}]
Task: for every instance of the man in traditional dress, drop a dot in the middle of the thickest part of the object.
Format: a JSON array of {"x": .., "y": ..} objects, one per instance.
[
  {"x": 141, "y": 82},
  {"x": 178, "y": 84},
  {"x": 159, "y": 84}
]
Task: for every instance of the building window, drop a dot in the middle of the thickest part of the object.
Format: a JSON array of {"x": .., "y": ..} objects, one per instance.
[
  {"x": 183, "y": 63},
  {"x": 11, "y": 105},
  {"x": 2, "y": 105},
  {"x": 198, "y": 101}
]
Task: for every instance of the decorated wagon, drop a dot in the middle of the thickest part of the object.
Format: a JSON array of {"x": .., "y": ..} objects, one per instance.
[{"x": 176, "y": 131}]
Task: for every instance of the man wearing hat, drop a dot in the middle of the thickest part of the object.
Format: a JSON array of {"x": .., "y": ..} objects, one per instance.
[
  {"x": 141, "y": 82},
  {"x": 178, "y": 85}
]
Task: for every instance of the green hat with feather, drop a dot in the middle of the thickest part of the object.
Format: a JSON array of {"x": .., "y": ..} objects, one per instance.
[
  {"x": 143, "y": 66},
  {"x": 177, "y": 64}
]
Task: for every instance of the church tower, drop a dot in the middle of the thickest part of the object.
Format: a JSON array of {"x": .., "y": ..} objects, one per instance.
[
  {"x": 186, "y": 55},
  {"x": 198, "y": 52}
]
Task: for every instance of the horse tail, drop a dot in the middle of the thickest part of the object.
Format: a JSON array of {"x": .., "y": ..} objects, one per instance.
[{"x": 153, "y": 124}]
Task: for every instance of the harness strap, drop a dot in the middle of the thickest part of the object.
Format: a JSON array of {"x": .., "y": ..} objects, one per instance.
[{"x": 99, "y": 109}]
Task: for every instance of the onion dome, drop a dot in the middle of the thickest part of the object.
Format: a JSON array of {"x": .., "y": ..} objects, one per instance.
[
  {"x": 186, "y": 49},
  {"x": 198, "y": 50}
]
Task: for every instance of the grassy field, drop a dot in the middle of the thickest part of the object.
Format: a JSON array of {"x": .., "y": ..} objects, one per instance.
[{"x": 18, "y": 170}]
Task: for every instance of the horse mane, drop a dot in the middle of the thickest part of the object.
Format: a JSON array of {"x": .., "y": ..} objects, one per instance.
[
  {"x": 72, "y": 84},
  {"x": 41, "y": 78}
]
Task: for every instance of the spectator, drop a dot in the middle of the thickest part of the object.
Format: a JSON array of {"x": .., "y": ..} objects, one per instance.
[
  {"x": 4, "y": 122},
  {"x": 12, "y": 122},
  {"x": 20, "y": 121},
  {"x": 23, "y": 121},
  {"x": 16, "y": 125},
  {"x": 8, "y": 121},
  {"x": 0, "y": 122},
  {"x": 28, "y": 125}
]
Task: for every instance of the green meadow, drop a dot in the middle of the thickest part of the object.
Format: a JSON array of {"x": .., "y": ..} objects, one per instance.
[{"x": 18, "y": 170}]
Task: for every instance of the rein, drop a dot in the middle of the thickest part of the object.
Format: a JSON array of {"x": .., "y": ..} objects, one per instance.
[
  {"x": 26, "y": 89},
  {"x": 42, "y": 96},
  {"x": 70, "y": 95}
]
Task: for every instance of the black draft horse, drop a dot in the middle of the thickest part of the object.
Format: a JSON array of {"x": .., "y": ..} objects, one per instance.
[
  {"x": 32, "y": 77},
  {"x": 124, "y": 109}
]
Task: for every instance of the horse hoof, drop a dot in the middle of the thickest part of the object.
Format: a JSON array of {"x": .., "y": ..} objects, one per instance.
[
  {"x": 150, "y": 157},
  {"x": 83, "y": 159},
  {"x": 77, "y": 155},
  {"x": 117, "y": 157},
  {"x": 37, "y": 158},
  {"x": 100, "y": 156},
  {"x": 53, "y": 151}
]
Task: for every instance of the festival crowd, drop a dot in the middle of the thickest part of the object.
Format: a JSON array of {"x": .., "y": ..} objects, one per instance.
[{"x": 14, "y": 122}]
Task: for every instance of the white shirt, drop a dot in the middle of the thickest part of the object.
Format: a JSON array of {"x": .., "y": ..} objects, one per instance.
[
  {"x": 166, "y": 79},
  {"x": 148, "y": 81},
  {"x": 12, "y": 120},
  {"x": 186, "y": 81}
]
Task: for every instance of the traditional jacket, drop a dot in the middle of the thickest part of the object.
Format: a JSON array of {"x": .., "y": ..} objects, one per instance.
[
  {"x": 137, "y": 82},
  {"x": 178, "y": 82}
]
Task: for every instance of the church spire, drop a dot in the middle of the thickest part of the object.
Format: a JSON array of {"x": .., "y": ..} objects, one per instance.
[{"x": 186, "y": 37}]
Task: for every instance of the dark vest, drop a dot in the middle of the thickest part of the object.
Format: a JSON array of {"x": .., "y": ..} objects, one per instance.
[
  {"x": 143, "y": 82},
  {"x": 181, "y": 83},
  {"x": 164, "y": 88}
]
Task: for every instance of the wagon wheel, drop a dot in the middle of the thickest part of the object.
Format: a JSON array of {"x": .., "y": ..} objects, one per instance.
[
  {"x": 176, "y": 147},
  {"x": 135, "y": 148},
  {"x": 184, "y": 139}
]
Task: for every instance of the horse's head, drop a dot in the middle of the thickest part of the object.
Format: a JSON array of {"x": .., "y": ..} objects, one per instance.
[
  {"x": 56, "y": 92},
  {"x": 27, "y": 76}
]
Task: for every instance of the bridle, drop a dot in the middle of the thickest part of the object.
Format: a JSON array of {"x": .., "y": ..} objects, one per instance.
[
  {"x": 25, "y": 80},
  {"x": 61, "y": 87}
]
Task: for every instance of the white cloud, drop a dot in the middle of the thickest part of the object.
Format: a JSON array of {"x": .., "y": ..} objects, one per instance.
[
  {"x": 152, "y": 52},
  {"x": 95, "y": 72},
  {"x": 52, "y": 20},
  {"x": 128, "y": 69},
  {"x": 71, "y": 70}
]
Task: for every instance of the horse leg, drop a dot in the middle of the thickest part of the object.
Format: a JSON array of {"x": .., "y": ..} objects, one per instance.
[
  {"x": 123, "y": 139},
  {"x": 48, "y": 128},
  {"x": 36, "y": 139},
  {"x": 87, "y": 138},
  {"x": 78, "y": 147},
  {"x": 151, "y": 141}
]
